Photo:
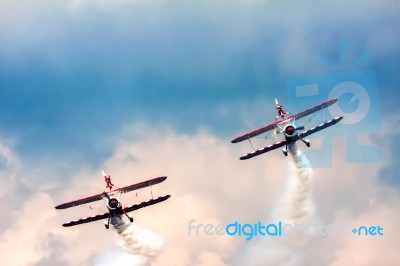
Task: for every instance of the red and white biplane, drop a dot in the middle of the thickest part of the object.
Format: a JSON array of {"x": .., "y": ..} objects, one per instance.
[
  {"x": 285, "y": 123},
  {"x": 113, "y": 202}
]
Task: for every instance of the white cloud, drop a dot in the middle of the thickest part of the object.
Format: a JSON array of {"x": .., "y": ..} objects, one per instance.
[{"x": 209, "y": 184}]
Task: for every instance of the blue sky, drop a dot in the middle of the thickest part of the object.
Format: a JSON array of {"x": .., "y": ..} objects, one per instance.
[{"x": 69, "y": 76}]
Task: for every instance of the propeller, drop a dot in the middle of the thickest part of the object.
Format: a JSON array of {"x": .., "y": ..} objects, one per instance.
[
  {"x": 298, "y": 127},
  {"x": 280, "y": 130}
]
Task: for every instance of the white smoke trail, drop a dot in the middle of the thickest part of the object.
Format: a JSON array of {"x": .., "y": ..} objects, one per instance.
[
  {"x": 296, "y": 204},
  {"x": 295, "y": 207},
  {"x": 138, "y": 241},
  {"x": 141, "y": 246}
]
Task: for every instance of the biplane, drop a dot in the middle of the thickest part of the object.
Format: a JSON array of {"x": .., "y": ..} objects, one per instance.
[
  {"x": 113, "y": 202},
  {"x": 285, "y": 124}
]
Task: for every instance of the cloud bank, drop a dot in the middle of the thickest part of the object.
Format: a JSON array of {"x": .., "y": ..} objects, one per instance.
[{"x": 209, "y": 184}]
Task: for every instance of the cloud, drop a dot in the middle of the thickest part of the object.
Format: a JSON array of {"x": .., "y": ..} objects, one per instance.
[
  {"x": 9, "y": 165},
  {"x": 209, "y": 185},
  {"x": 202, "y": 186},
  {"x": 56, "y": 251},
  {"x": 371, "y": 250},
  {"x": 201, "y": 189},
  {"x": 388, "y": 172},
  {"x": 25, "y": 232},
  {"x": 211, "y": 181}
]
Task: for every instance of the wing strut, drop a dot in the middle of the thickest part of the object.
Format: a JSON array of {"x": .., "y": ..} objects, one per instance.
[{"x": 251, "y": 143}]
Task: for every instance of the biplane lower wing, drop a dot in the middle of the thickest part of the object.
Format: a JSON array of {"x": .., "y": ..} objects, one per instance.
[
  {"x": 97, "y": 197},
  {"x": 318, "y": 128},
  {"x": 263, "y": 150},
  {"x": 297, "y": 137},
  {"x": 87, "y": 220},
  {"x": 127, "y": 209},
  {"x": 146, "y": 203}
]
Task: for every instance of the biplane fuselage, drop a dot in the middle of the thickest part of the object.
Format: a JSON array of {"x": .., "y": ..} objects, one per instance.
[
  {"x": 116, "y": 218},
  {"x": 115, "y": 214},
  {"x": 115, "y": 210}
]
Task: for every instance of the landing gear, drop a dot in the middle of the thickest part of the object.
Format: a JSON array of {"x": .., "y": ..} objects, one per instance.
[
  {"x": 284, "y": 150},
  {"x": 107, "y": 223},
  {"x": 307, "y": 142},
  {"x": 129, "y": 217}
]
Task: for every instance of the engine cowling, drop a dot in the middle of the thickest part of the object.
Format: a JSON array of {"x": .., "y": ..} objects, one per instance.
[
  {"x": 113, "y": 203},
  {"x": 289, "y": 131}
]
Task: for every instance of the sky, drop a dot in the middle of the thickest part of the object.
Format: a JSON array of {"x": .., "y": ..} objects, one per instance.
[{"x": 149, "y": 88}]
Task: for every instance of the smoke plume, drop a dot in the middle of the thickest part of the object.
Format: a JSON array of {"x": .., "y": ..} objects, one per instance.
[
  {"x": 140, "y": 246},
  {"x": 138, "y": 241},
  {"x": 295, "y": 208},
  {"x": 296, "y": 204}
]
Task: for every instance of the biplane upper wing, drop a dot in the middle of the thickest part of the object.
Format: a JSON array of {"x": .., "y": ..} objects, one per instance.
[
  {"x": 127, "y": 209},
  {"x": 314, "y": 109},
  {"x": 319, "y": 127},
  {"x": 80, "y": 201},
  {"x": 257, "y": 132},
  {"x": 143, "y": 184},
  {"x": 129, "y": 188},
  {"x": 263, "y": 150},
  {"x": 271, "y": 126}
]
